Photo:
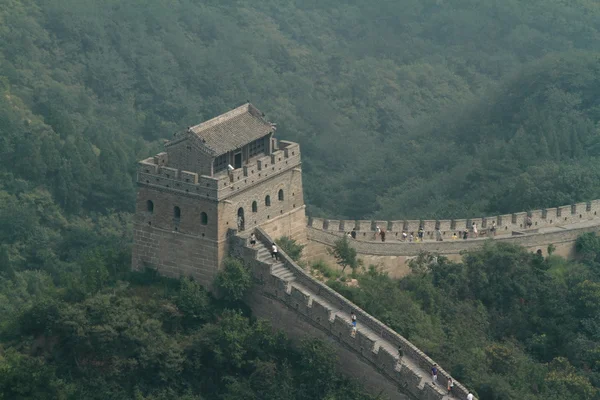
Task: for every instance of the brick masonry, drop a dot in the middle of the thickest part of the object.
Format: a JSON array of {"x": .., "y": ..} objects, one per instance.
[
  {"x": 185, "y": 224},
  {"x": 392, "y": 256},
  {"x": 183, "y": 219},
  {"x": 302, "y": 306}
]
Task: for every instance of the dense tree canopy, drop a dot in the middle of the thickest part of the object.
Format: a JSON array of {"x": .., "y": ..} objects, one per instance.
[
  {"x": 504, "y": 321},
  {"x": 403, "y": 109}
]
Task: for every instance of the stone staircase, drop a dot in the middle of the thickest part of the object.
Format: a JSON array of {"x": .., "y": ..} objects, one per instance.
[{"x": 421, "y": 376}]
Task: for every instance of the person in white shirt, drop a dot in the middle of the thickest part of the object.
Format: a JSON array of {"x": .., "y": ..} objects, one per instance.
[
  {"x": 274, "y": 252},
  {"x": 470, "y": 396}
]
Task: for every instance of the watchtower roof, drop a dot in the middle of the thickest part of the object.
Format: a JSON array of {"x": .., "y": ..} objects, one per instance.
[{"x": 232, "y": 130}]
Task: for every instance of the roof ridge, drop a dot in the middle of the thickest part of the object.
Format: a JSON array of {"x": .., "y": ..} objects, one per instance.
[{"x": 247, "y": 107}]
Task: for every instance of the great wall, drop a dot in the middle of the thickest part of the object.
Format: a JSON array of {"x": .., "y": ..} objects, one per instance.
[
  {"x": 221, "y": 180},
  {"x": 559, "y": 227}
]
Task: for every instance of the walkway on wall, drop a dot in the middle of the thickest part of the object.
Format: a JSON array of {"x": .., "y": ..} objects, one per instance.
[{"x": 412, "y": 369}]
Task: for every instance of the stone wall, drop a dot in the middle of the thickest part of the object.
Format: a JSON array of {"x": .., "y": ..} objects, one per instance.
[
  {"x": 156, "y": 172},
  {"x": 182, "y": 219},
  {"x": 273, "y": 298},
  {"x": 542, "y": 218},
  {"x": 174, "y": 254},
  {"x": 392, "y": 256},
  {"x": 185, "y": 155}
]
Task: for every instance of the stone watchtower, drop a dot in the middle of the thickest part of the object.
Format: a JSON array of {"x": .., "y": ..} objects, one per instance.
[{"x": 228, "y": 173}]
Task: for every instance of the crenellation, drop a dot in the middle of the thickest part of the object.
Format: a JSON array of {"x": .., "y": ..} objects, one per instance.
[
  {"x": 410, "y": 378},
  {"x": 429, "y": 227},
  {"x": 217, "y": 187},
  {"x": 363, "y": 343},
  {"x": 381, "y": 224},
  {"x": 333, "y": 225},
  {"x": 300, "y": 300},
  {"x": 413, "y": 226},
  {"x": 366, "y": 346},
  {"x": 321, "y": 314},
  {"x": 340, "y": 327},
  {"x": 433, "y": 392},
  {"x": 318, "y": 223},
  {"x": 396, "y": 226},
  {"x": 445, "y": 226},
  {"x": 161, "y": 158},
  {"x": 387, "y": 361}
]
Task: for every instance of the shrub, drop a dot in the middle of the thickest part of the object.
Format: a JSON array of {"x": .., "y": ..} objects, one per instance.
[
  {"x": 234, "y": 279},
  {"x": 290, "y": 247}
]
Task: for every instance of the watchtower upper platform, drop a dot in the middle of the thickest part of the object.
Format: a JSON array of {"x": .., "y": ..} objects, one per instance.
[{"x": 235, "y": 138}]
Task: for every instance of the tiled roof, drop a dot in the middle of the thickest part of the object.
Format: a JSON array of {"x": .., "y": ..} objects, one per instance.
[{"x": 232, "y": 130}]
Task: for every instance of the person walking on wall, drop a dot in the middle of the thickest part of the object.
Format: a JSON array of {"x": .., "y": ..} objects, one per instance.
[
  {"x": 528, "y": 221},
  {"x": 404, "y": 236},
  {"x": 493, "y": 228},
  {"x": 465, "y": 234},
  {"x": 450, "y": 386},
  {"x": 274, "y": 252},
  {"x": 411, "y": 237},
  {"x": 454, "y": 237},
  {"x": 377, "y": 231},
  {"x": 421, "y": 232},
  {"x": 353, "y": 233},
  {"x": 252, "y": 239},
  {"x": 474, "y": 230},
  {"x": 434, "y": 372},
  {"x": 438, "y": 235},
  {"x": 353, "y": 319},
  {"x": 382, "y": 234},
  {"x": 470, "y": 396}
]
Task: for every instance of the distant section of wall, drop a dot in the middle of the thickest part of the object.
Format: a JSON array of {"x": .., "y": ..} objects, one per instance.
[
  {"x": 392, "y": 256},
  {"x": 544, "y": 218}
]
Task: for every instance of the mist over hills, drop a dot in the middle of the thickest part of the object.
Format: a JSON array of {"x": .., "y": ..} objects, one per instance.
[
  {"x": 403, "y": 109},
  {"x": 407, "y": 109}
]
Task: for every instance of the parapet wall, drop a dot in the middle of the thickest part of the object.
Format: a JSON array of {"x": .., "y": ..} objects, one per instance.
[
  {"x": 154, "y": 171},
  {"x": 528, "y": 240},
  {"x": 543, "y": 218},
  {"x": 385, "y": 361}
]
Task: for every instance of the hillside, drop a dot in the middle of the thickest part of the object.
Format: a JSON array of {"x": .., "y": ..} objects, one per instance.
[
  {"x": 367, "y": 91},
  {"x": 403, "y": 109}
]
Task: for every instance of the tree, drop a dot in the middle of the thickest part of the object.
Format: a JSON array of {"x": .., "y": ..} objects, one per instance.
[
  {"x": 345, "y": 254},
  {"x": 588, "y": 245},
  {"x": 234, "y": 280},
  {"x": 193, "y": 301},
  {"x": 290, "y": 247}
]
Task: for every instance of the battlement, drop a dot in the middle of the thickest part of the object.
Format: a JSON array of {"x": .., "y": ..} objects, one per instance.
[
  {"x": 155, "y": 172},
  {"x": 505, "y": 224},
  {"x": 374, "y": 342}
]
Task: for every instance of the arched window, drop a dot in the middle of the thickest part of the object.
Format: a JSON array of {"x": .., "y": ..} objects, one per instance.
[
  {"x": 203, "y": 218},
  {"x": 280, "y": 195},
  {"x": 254, "y": 206},
  {"x": 176, "y": 212},
  {"x": 150, "y": 206},
  {"x": 268, "y": 200}
]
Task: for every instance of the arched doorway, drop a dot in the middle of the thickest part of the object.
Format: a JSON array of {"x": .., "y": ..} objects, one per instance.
[{"x": 240, "y": 219}]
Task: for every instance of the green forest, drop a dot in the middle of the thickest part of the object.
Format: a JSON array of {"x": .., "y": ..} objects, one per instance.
[
  {"x": 403, "y": 109},
  {"x": 506, "y": 322}
]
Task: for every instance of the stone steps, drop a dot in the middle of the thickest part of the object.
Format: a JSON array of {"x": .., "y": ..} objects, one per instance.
[{"x": 279, "y": 269}]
